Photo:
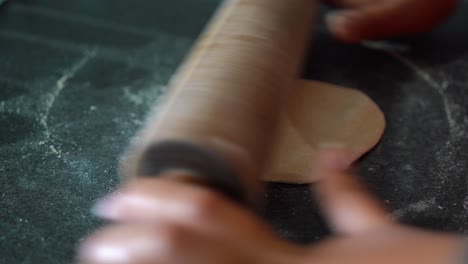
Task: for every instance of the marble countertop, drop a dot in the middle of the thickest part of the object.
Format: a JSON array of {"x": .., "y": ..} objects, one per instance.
[{"x": 78, "y": 77}]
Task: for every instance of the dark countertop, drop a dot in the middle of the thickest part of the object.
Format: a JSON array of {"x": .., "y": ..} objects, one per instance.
[{"x": 78, "y": 77}]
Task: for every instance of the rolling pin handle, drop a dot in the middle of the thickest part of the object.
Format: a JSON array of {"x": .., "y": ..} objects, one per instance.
[{"x": 164, "y": 157}]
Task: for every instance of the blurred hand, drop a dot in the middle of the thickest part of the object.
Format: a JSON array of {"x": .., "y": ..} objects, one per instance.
[
  {"x": 158, "y": 221},
  {"x": 376, "y": 19},
  {"x": 364, "y": 230},
  {"x": 163, "y": 221}
]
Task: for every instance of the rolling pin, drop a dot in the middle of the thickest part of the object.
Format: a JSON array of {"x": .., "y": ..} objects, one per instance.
[{"x": 219, "y": 115}]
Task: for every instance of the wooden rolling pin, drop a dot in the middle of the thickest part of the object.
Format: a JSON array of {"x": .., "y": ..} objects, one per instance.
[{"x": 219, "y": 115}]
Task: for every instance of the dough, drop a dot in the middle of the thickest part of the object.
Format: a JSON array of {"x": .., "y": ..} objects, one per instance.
[{"x": 317, "y": 115}]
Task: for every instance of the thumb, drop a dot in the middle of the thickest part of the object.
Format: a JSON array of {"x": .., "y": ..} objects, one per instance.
[
  {"x": 345, "y": 202},
  {"x": 384, "y": 19}
]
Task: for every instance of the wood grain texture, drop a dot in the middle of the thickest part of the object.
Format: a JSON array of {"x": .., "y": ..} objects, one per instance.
[{"x": 226, "y": 95}]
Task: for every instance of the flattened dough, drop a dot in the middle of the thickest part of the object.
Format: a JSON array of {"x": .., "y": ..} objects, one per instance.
[{"x": 318, "y": 114}]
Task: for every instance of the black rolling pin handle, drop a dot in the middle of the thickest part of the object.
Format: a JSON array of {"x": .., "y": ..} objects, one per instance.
[{"x": 214, "y": 172}]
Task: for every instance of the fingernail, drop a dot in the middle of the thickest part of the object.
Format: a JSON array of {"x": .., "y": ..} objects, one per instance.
[
  {"x": 101, "y": 251},
  {"x": 106, "y": 207}
]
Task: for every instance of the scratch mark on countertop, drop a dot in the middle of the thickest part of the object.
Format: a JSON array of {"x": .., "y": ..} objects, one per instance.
[
  {"x": 60, "y": 85},
  {"x": 446, "y": 164},
  {"x": 439, "y": 87}
]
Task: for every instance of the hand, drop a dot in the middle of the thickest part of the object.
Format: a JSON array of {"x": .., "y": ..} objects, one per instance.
[
  {"x": 159, "y": 221},
  {"x": 376, "y": 19},
  {"x": 364, "y": 231},
  {"x": 162, "y": 221}
]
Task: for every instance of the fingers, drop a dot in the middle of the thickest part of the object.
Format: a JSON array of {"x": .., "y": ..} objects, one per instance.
[
  {"x": 168, "y": 243},
  {"x": 146, "y": 199},
  {"x": 157, "y": 219},
  {"x": 163, "y": 221},
  {"x": 346, "y": 203},
  {"x": 154, "y": 200},
  {"x": 382, "y": 19},
  {"x": 141, "y": 244},
  {"x": 119, "y": 244}
]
